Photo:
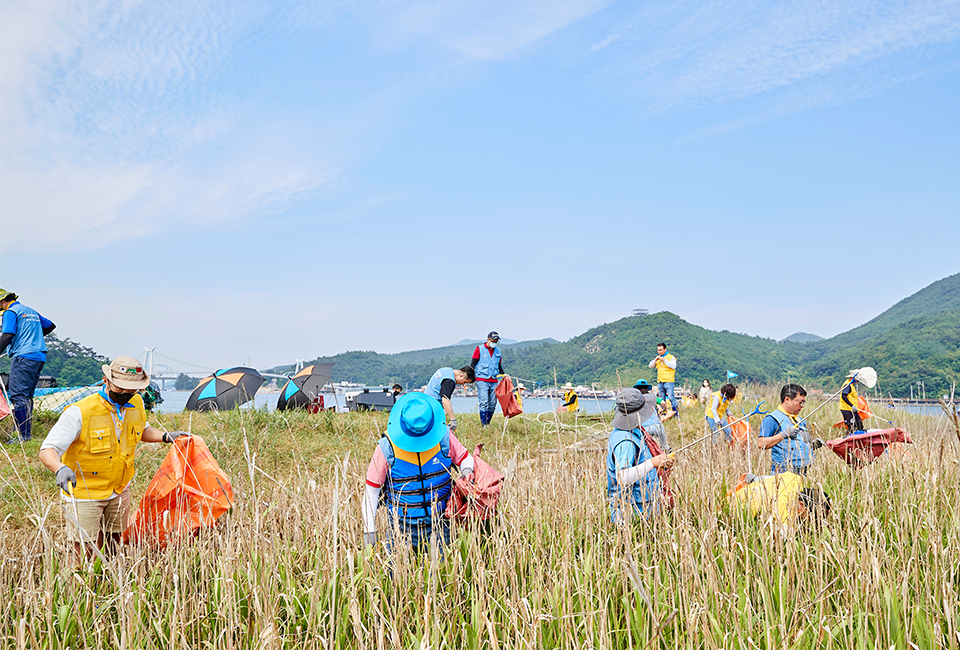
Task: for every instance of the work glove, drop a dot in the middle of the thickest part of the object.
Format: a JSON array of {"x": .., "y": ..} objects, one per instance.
[
  {"x": 817, "y": 443},
  {"x": 66, "y": 479},
  {"x": 453, "y": 425},
  {"x": 170, "y": 436},
  {"x": 749, "y": 478},
  {"x": 370, "y": 539},
  {"x": 854, "y": 411},
  {"x": 790, "y": 433}
]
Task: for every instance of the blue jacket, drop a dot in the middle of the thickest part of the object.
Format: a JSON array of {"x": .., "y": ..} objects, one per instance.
[
  {"x": 417, "y": 483},
  {"x": 787, "y": 455},
  {"x": 27, "y": 327},
  {"x": 433, "y": 386},
  {"x": 488, "y": 366},
  {"x": 628, "y": 449}
]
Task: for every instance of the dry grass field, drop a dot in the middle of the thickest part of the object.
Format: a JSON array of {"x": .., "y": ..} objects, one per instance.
[{"x": 286, "y": 568}]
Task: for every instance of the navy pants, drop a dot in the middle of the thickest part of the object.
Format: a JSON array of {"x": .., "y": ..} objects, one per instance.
[
  {"x": 417, "y": 534},
  {"x": 24, "y": 375}
]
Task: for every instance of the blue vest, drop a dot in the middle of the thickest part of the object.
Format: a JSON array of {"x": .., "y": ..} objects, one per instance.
[
  {"x": 644, "y": 493},
  {"x": 29, "y": 336},
  {"x": 489, "y": 365},
  {"x": 789, "y": 455},
  {"x": 433, "y": 386},
  {"x": 414, "y": 489}
]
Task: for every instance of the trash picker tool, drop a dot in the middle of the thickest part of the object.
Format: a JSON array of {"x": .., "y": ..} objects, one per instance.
[{"x": 756, "y": 411}]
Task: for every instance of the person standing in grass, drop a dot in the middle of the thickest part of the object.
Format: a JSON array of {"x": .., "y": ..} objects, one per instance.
[
  {"x": 666, "y": 365},
  {"x": 412, "y": 464},
  {"x": 706, "y": 392},
  {"x": 849, "y": 403},
  {"x": 441, "y": 387},
  {"x": 785, "y": 434},
  {"x": 487, "y": 362},
  {"x": 570, "y": 400},
  {"x": 91, "y": 450},
  {"x": 716, "y": 414},
  {"x": 633, "y": 460},
  {"x": 22, "y": 332}
]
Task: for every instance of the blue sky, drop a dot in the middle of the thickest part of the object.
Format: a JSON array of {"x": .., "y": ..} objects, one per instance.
[{"x": 270, "y": 181}]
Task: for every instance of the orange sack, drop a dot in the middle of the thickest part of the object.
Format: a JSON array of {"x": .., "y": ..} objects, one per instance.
[
  {"x": 187, "y": 493},
  {"x": 476, "y": 495},
  {"x": 508, "y": 401}
]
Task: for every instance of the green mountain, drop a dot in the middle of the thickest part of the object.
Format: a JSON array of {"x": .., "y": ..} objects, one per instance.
[
  {"x": 918, "y": 339},
  {"x": 803, "y": 337},
  {"x": 71, "y": 363}
]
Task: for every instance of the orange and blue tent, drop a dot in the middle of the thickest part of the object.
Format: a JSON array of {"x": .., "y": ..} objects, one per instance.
[{"x": 225, "y": 389}]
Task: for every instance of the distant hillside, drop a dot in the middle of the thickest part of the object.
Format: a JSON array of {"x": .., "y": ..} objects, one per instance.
[
  {"x": 71, "y": 363},
  {"x": 410, "y": 369},
  {"x": 918, "y": 339},
  {"x": 941, "y": 296},
  {"x": 803, "y": 337}
]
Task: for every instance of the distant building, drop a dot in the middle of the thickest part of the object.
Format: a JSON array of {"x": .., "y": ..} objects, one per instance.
[{"x": 641, "y": 312}]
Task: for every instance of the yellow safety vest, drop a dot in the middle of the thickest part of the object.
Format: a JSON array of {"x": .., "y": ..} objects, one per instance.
[
  {"x": 852, "y": 397},
  {"x": 722, "y": 405},
  {"x": 777, "y": 494},
  {"x": 665, "y": 373},
  {"x": 103, "y": 464},
  {"x": 566, "y": 398}
]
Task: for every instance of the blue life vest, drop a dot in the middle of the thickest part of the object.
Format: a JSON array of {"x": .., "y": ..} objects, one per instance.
[
  {"x": 28, "y": 341},
  {"x": 488, "y": 367},
  {"x": 644, "y": 494},
  {"x": 417, "y": 484},
  {"x": 789, "y": 455},
  {"x": 433, "y": 386}
]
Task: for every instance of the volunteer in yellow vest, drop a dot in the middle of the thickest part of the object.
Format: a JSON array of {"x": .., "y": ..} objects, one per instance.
[
  {"x": 716, "y": 414},
  {"x": 570, "y": 400},
  {"x": 91, "y": 450},
  {"x": 782, "y": 498},
  {"x": 666, "y": 365},
  {"x": 848, "y": 404}
]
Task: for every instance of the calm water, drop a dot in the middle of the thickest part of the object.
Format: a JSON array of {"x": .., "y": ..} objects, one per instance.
[{"x": 175, "y": 400}]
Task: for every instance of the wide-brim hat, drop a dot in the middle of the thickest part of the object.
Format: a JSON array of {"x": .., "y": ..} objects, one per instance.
[
  {"x": 126, "y": 373},
  {"x": 632, "y": 409},
  {"x": 568, "y": 386},
  {"x": 416, "y": 422},
  {"x": 642, "y": 383},
  {"x": 520, "y": 385}
]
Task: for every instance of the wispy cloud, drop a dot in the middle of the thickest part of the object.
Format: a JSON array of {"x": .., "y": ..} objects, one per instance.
[
  {"x": 123, "y": 118},
  {"x": 688, "y": 54}
]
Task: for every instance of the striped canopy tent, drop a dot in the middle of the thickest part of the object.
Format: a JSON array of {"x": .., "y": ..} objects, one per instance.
[
  {"x": 225, "y": 390},
  {"x": 303, "y": 387}
]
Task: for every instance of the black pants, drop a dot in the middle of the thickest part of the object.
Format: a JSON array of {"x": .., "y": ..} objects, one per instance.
[{"x": 852, "y": 421}]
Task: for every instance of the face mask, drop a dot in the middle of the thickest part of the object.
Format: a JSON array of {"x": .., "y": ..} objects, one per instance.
[
  {"x": 120, "y": 398},
  {"x": 491, "y": 344}
]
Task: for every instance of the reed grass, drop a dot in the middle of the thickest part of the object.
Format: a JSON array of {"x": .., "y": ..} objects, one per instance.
[{"x": 286, "y": 568}]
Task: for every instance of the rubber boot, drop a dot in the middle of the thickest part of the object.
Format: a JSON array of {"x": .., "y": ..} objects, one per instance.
[
  {"x": 490, "y": 416},
  {"x": 483, "y": 418}
]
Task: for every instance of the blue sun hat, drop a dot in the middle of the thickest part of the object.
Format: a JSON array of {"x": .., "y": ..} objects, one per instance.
[{"x": 416, "y": 422}]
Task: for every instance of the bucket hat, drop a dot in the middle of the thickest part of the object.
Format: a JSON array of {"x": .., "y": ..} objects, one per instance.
[
  {"x": 632, "y": 409},
  {"x": 568, "y": 386},
  {"x": 416, "y": 422},
  {"x": 642, "y": 383},
  {"x": 126, "y": 373}
]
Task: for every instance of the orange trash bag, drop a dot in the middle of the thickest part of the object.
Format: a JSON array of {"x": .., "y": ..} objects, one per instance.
[
  {"x": 187, "y": 493},
  {"x": 740, "y": 432},
  {"x": 476, "y": 495},
  {"x": 508, "y": 401}
]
